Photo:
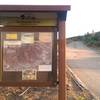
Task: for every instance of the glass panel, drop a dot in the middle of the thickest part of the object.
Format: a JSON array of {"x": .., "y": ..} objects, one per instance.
[{"x": 26, "y": 54}]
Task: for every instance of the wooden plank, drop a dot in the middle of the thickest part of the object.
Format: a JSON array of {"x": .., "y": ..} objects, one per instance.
[
  {"x": 61, "y": 60},
  {"x": 1, "y": 58},
  {"x": 17, "y": 76},
  {"x": 27, "y": 83},
  {"x": 54, "y": 57},
  {"x": 26, "y": 29},
  {"x": 34, "y": 7}
]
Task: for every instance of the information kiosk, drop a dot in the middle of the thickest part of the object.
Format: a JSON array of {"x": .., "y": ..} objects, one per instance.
[{"x": 32, "y": 40}]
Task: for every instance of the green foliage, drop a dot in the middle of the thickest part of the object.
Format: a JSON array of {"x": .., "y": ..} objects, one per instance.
[{"x": 92, "y": 39}]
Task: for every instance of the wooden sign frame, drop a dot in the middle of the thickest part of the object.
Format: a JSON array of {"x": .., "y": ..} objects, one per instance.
[
  {"x": 44, "y": 75},
  {"x": 61, "y": 12}
]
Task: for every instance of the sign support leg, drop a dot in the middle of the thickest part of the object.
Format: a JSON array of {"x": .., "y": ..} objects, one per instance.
[{"x": 61, "y": 58}]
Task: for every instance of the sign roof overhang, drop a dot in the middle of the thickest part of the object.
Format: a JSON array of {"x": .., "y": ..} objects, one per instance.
[
  {"x": 35, "y": 8},
  {"x": 32, "y": 15}
]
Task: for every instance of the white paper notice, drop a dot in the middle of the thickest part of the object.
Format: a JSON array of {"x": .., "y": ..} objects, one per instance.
[
  {"x": 27, "y": 38},
  {"x": 7, "y": 43},
  {"x": 45, "y": 68}
]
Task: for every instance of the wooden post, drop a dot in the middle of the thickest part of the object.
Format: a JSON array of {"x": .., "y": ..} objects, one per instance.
[
  {"x": 1, "y": 52},
  {"x": 61, "y": 64},
  {"x": 54, "y": 57}
]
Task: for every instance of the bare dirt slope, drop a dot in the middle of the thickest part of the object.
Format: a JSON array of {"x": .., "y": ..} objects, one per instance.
[{"x": 85, "y": 62}]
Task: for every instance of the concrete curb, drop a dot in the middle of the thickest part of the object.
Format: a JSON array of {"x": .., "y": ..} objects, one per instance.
[{"x": 79, "y": 83}]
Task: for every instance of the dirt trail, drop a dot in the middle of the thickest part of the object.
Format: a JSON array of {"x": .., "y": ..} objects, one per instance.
[{"x": 85, "y": 62}]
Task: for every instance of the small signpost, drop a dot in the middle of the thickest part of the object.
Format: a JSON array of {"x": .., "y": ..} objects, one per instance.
[{"x": 31, "y": 60}]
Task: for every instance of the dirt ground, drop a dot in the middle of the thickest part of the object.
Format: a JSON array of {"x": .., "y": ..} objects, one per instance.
[
  {"x": 76, "y": 93},
  {"x": 73, "y": 92},
  {"x": 49, "y": 93},
  {"x": 17, "y": 93},
  {"x": 85, "y": 62}
]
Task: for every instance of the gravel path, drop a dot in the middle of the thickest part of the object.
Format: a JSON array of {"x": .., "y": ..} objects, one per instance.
[{"x": 85, "y": 62}]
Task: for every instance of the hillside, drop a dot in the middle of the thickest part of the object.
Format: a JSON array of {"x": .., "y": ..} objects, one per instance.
[{"x": 90, "y": 39}]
